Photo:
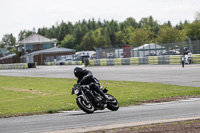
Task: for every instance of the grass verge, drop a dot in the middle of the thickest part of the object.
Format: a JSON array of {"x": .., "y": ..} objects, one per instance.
[{"x": 28, "y": 95}]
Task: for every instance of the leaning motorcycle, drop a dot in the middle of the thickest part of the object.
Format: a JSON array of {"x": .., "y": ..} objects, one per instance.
[
  {"x": 188, "y": 58},
  {"x": 89, "y": 100}
]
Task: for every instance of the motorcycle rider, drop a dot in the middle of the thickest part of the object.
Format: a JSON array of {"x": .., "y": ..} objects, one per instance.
[
  {"x": 187, "y": 55},
  {"x": 186, "y": 51},
  {"x": 85, "y": 77}
]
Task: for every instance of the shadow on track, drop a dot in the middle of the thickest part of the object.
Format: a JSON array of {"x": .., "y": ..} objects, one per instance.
[{"x": 83, "y": 113}]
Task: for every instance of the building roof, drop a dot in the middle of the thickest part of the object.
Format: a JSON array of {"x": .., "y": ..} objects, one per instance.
[
  {"x": 8, "y": 56},
  {"x": 149, "y": 46},
  {"x": 50, "y": 51},
  {"x": 36, "y": 38}
]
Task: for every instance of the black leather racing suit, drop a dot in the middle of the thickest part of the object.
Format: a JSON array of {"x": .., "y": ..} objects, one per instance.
[{"x": 87, "y": 78}]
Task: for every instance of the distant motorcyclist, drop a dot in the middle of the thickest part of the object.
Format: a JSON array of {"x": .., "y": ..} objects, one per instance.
[
  {"x": 85, "y": 77},
  {"x": 186, "y": 51},
  {"x": 188, "y": 56}
]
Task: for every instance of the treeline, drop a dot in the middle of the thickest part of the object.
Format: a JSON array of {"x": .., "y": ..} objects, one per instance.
[{"x": 90, "y": 34}]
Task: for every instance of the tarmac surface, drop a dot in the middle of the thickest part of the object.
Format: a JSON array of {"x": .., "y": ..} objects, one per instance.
[
  {"x": 167, "y": 74},
  {"x": 78, "y": 121}
]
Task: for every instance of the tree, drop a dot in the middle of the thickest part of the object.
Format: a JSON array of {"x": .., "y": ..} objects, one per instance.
[
  {"x": 8, "y": 41},
  {"x": 128, "y": 32},
  {"x": 111, "y": 33},
  {"x": 111, "y": 28},
  {"x": 23, "y": 34},
  {"x": 1, "y": 46},
  {"x": 168, "y": 34},
  {"x": 88, "y": 41},
  {"x": 92, "y": 25},
  {"x": 78, "y": 34},
  {"x": 147, "y": 23},
  {"x": 55, "y": 31},
  {"x": 62, "y": 31},
  {"x": 144, "y": 23},
  {"x": 44, "y": 32},
  {"x": 150, "y": 25},
  {"x": 101, "y": 40},
  {"x": 139, "y": 37},
  {"x": 120, "y": 38},
  {"x": 13, "y": 50},
  {"x": 95, "y": 39},
  {"x": 129, "y": 22},
  {"x": 193, "y": 30},
  {"x": 68, "y": 42}
]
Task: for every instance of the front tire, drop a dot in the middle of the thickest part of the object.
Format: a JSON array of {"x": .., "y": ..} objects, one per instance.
[
  {"x": 88, "y": 108},
  {"x": 114, "y": 106},
  {"x": 190, "y": 61}
]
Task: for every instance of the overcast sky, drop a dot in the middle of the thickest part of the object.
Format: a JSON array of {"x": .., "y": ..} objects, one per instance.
[{"x": 16, "y": 15}]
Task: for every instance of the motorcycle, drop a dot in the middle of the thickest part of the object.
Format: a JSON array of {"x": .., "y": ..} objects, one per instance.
[
  {"x": 188, "y": 58},
  {"x": 89, "y": 100}
]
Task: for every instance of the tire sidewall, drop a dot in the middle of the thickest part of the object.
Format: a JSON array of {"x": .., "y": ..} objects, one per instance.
[
  {"x": 111, "y": 106},
  {"x": 79, "y": 101}
]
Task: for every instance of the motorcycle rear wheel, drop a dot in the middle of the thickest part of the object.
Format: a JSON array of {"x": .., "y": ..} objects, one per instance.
[
  {"x": 114, "y": 106},
  {"x": 88, "y": 108}
]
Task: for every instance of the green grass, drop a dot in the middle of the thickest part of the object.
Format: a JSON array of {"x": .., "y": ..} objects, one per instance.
[{"x": 26, "y": 95}]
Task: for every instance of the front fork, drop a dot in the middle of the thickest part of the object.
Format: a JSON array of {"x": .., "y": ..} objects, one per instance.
[{"x": 84, "y": 97}]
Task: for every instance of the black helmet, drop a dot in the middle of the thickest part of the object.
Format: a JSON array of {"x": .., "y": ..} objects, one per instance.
[{"x": 78, "y": 72}]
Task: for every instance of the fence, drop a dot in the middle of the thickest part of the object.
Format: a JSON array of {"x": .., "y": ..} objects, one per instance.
[
  {"x": 152, "y": 49},
  {"x": 65, "y": 63},
  {"x": 153, "y": 60}
]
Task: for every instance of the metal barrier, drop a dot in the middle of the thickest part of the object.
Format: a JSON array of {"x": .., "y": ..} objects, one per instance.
[
  {"x": 66, "y": 63},
  {"x": 73, "y": 63},
  {"x": 14, "y": 66},
  {"x": 154, "y": 60},
  {"x": 196, "y": 59}
]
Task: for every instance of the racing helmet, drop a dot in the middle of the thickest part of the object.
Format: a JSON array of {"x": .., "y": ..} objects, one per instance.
[
  {"x": 78, "y": 72},
  {"x": 186, "y": 48}
]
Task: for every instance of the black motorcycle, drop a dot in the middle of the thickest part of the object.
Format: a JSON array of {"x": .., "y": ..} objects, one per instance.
[{"x": 89, "y": 100}]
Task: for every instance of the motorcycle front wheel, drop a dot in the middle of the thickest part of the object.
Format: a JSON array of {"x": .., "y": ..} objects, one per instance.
[
  {"x": 190, "y": 61},
  {"x": 83, "y": 105},
  {"x": 114, "y": 105}
]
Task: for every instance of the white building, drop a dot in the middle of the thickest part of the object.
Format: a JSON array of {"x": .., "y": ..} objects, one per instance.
[{"x": 148, "y": 49}]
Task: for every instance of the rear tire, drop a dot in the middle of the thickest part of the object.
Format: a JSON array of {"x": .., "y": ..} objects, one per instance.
[
  {"x": 114, "y": 106},
  {"x": 88, "y": 108}
]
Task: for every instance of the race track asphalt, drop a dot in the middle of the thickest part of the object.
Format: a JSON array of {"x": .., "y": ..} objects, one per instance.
[
  {"x": 167, "y": 74},
  {"x": 126, "y": 116}
]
